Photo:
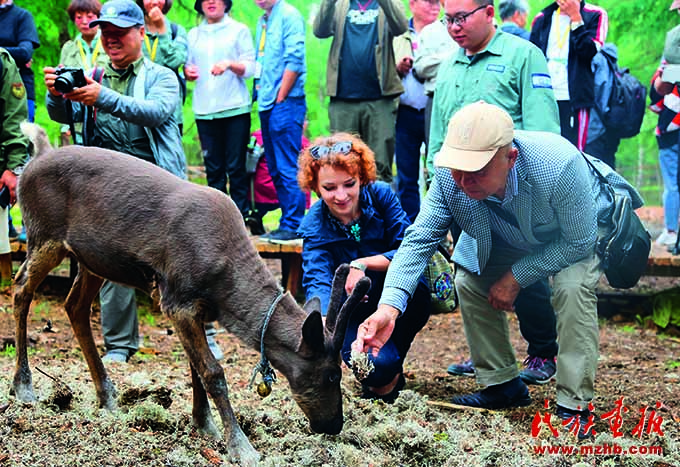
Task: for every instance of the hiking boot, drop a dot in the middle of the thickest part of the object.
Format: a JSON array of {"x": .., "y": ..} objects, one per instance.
[
  {"x": 538, "y": 370},
  {"x": 513, "y": 393},
  {"x": 467, "y": 368},
  {"x": 570, "y": 417},
  {"x": 667, "y": 238},
  {"x": 282, "y": 236}
]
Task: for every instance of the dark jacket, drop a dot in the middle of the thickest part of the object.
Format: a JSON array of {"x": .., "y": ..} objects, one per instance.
[
  {"x": 584, "y": 42},
  {"x": 383, "y": 223},
  {"x": 19, "y": 36}
]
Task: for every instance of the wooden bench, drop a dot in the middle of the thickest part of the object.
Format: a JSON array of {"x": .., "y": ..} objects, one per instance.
[{"x": 289, "y": 254}]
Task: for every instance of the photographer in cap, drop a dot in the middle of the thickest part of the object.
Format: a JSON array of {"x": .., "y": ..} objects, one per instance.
[
  {"x": 528, "y": 206},
  {"x": 134, "y": 102}
]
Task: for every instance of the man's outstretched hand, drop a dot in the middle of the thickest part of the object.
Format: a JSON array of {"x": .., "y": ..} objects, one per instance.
[{"x": 376, "y": 330}]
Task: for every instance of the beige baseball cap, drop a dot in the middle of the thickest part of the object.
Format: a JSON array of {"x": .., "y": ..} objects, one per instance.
[{"x": 474, "y": 135}]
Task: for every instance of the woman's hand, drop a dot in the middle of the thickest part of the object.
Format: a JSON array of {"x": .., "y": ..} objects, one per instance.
[
  {"x": 352, "y": 279},
  {"x": 220, "y": 67},
  {"x": 191, "y": 72}
]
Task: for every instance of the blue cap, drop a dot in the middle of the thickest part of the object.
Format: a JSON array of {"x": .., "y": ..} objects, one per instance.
[{"x": 120, "y": 13}]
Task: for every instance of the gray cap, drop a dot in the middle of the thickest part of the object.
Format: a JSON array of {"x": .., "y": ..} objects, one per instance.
[
  {"x": 671, "y": 52},
  {"x": 120, "y": 13}
]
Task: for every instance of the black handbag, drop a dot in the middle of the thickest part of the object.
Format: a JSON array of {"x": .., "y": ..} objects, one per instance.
[{"x": 625, "y": 250}]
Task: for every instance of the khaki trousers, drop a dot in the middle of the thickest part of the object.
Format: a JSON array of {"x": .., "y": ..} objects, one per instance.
[
  {"x": 575, "y": 304},
  {"x": 375, "y": 123}
]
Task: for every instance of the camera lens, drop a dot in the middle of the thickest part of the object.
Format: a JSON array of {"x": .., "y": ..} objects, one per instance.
[{"x": 64, "y": 83}]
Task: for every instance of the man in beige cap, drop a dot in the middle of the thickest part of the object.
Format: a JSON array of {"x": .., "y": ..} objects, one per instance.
[{"x": 528, "y": 206}]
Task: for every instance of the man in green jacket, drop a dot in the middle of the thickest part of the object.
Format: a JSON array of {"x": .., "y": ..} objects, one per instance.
[
  {"x": 13, "y": 143},
  {"x": 361, "y": 77},
  {"x": 493, "y": 66}
]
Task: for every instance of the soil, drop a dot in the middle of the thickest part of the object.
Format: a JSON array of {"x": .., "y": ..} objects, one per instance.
[{"x": 639, "y": 369}]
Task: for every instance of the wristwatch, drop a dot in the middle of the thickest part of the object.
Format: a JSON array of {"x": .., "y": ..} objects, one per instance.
[
  {"x": 357, "y": 265},
  {"x": 576, "y": 25}
]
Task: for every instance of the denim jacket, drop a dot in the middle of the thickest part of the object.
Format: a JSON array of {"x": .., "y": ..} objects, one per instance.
[{"x": 383, "y": 224}]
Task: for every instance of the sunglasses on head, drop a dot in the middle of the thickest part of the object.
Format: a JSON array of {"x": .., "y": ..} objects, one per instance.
[{"x": 342, "y": 147}]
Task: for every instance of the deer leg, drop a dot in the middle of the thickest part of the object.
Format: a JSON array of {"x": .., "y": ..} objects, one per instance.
[
  {"x": 192, "y": 335},
  {"x": 28, "y": 278},
  {"x": 78, "y": 306},
  {"x": 201, "y": 412}
]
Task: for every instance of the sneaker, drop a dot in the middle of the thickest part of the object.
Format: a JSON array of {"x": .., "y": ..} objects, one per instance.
[
  {"x": 569, "y": 417},
  {"x": 467, "y": 368},
  {"x": 282, "y": 236},
  {"x": 667, "y": 238},
  {"x": 538, "y": 370},
  {"x": 116, "y": 356},
  {"x": 513, "y": 393}
]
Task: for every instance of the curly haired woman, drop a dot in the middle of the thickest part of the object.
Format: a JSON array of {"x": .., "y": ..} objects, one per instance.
[{"x": 357, "y": 221}]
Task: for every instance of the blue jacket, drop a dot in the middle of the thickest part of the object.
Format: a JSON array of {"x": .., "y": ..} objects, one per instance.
[{"x": 383, "y": 224}]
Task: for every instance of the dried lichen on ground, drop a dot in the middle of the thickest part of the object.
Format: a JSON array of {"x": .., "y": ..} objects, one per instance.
[{"x": 361, "y": 365}]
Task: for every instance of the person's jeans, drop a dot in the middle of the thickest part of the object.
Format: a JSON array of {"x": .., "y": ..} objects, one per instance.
[
  {"x": 537, "y": 320},
  {"x": 410, "y": 137},
  {"x": 668, "y": 161},
  {"x": 224, "y": 142},
  {"x": 390, "y": 359},
  {"x": 282, "y": 139}
]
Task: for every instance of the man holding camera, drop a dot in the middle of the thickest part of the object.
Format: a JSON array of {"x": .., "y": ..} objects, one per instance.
[{"x": 135, "y": 101}]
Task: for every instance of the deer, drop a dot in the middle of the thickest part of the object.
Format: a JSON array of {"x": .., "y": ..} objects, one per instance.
[{"x": 128, "y": 221}]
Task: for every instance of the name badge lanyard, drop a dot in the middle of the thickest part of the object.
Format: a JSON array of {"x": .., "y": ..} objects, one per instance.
[
  {"x": 85, "y": 54},
  {"x": 152, "y": 49}
]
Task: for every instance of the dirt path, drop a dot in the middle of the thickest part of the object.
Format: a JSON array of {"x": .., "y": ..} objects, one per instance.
[{"x": 635, "y": 364}]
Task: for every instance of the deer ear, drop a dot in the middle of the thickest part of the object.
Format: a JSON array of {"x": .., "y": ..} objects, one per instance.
[
  {"x": 314, "y": 304},
  {"x": 312, "y": 334}
]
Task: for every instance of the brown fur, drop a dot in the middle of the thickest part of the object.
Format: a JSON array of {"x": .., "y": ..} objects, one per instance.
[{"x": 131, "y": 222}]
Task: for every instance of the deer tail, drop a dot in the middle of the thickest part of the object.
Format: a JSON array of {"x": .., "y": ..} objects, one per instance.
[{"x": 38, "y": 137}]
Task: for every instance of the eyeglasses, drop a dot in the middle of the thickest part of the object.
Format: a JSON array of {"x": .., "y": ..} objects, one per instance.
[
  {"x": 342, "y": 147},
  {"x": 460, "y": 18}
]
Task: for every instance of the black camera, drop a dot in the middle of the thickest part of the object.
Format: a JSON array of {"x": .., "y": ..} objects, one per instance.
[{"x": 69, "y": 79}]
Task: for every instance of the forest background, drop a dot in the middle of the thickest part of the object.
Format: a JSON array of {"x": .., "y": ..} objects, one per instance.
[{"x": 638, "y": 28}]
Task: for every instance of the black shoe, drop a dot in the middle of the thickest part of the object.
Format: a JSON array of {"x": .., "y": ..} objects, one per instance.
[
  {"x": 513, "y": 393},
  {"x": 255, "y": 225},
  {"x": 467, "y": 368},
  {"x": 388, "y": 398},
  {"x": 569, "y": 417}
]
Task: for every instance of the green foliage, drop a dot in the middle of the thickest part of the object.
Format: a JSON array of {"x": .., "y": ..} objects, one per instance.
[
  {"x": 9, "y": 351},
  {"x": 637, "y": 28},
  {"x": 666, "y": 309}
]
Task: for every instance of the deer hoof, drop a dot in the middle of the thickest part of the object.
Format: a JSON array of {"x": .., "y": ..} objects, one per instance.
[
  {"x": 23, "y": 392},
  {"x": 244, "y": 454}
]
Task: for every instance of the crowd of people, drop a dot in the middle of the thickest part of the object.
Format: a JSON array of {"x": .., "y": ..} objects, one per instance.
[{"x": 493, "y": 119}]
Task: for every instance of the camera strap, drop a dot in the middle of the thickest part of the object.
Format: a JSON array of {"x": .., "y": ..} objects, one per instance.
[{"x": 91, "y": 111}]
